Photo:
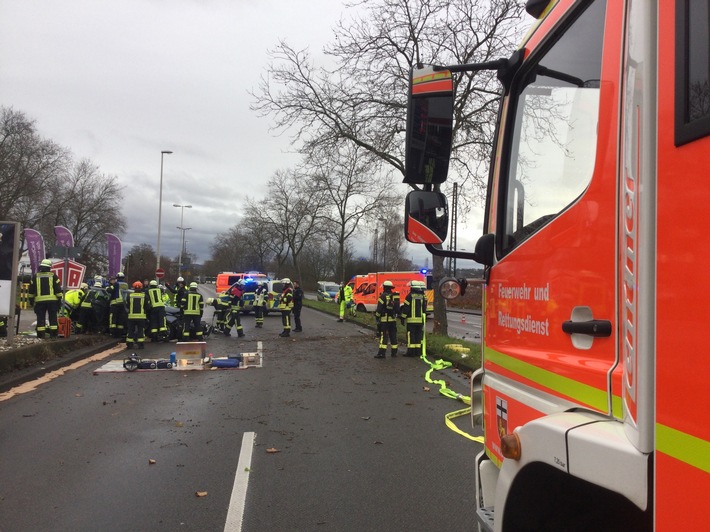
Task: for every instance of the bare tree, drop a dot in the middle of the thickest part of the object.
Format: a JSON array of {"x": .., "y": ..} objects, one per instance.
[
  {"x": 265, "y": 229},
  {"x": 351, "y": 180},
  {"x": 293, "y": 210},
  {"x": 362, "y": 99},
  {"x": 231, "y": 251},
  {"x": 88, "y": 203},
  {"x": 261, "y": 238},
  {"x": 140, "y": 263},
  {"x": 30, "y": 169}
]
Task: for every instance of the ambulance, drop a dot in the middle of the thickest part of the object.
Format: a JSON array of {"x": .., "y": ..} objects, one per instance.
[
  {"x": 226, "y": 280},
  {"x": 367, "y": 288},
  {"x": 593, "y": 391}
]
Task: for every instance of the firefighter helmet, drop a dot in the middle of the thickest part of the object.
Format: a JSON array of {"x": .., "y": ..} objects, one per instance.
[
  {"x": 193, "y": 285},
  {"x": 387, "y": 284},
  {"x": 153, "y": 283},
  {"x": 46, "y": 263},
  {"x": 120, "y": 275},
  {"x": 137, "y": 285},
  {"x": 286, "y": 280},
  {"x": 180, "y": 280},
  {"x": 84, "y": 286},
  {"x": 210, "y": 300}
]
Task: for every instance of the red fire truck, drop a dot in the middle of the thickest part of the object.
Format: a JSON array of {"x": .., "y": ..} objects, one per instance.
[{"x": 593, "y": 386}]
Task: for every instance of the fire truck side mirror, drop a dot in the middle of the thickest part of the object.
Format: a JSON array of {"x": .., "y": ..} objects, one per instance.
[
  {"x": 485, "y": 249},
  {"x": 426, "y": 217},
  {"x": 429, "y": 130}
]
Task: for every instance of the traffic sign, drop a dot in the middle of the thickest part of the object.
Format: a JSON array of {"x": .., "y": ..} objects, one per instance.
[
  {"x": 160, "y": 273},
  {"x": 75, "y": 273}
]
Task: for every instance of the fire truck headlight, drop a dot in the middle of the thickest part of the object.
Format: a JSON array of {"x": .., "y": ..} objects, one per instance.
[{"x": 510, "y": 446}]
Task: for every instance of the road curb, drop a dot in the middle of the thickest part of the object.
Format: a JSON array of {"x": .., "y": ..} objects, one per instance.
[{"x": 30, "y": 362}]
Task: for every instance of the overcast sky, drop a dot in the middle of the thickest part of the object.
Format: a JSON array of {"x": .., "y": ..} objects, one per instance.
[{"x": 118, "y": 81}]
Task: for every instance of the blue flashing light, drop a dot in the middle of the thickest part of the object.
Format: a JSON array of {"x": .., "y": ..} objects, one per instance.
[{"x": 423, "y": 271}]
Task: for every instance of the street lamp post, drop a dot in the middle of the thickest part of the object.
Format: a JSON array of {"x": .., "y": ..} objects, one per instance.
[
  {"x": 183, "y": 229},
  {"x": 160, "y": 204}
]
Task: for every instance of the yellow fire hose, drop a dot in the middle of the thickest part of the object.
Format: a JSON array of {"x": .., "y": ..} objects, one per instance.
[{"x": 444, "y": 390}]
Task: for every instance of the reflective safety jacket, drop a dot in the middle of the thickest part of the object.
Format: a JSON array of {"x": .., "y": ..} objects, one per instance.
[
  {"x": 73, "y": 298},
  {"x": 414, "y": 307},
  {"x": 345, "y": 293},
  {"x": 91, "y": 295},
  {"x": 44, "y": 287},
  {"x": 260, "y": 295},
  {"x": 387, "y": 306},
  {"x": 115, "y": 294},
  {"x": 136, "y": 306},
  {"x": 221, "y": 303},
  {"x": 155, "y": 297},
  {"x": 193, "y": 304},
  {"x": 286, "y": 301}
]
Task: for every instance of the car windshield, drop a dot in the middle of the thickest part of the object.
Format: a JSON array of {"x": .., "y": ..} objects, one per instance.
[{"x": 331, "y": 288}]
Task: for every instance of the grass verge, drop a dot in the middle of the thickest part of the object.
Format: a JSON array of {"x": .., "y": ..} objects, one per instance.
[{"x": 438, "y": 346}]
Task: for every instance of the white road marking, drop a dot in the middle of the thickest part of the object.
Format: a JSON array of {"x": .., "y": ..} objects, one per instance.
[{"x": 241, "y": 481}]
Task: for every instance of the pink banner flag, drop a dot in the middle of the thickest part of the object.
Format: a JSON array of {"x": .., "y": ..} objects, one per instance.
[
  {"x": 64, "y": 237},
  {"x": 35, "y": 248},
  {"x": 114, "y": 254}
]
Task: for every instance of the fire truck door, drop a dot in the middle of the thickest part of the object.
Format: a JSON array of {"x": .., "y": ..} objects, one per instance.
[{"x": 550, "y": 312}]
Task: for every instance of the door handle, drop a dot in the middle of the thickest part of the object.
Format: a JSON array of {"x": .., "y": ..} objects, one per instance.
[{"x": 595, "y": 328}]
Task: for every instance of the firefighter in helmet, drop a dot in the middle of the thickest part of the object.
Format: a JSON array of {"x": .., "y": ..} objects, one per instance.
[
  {"x": 193, "y": 307},
  {"x": 261, "y": 295},
  {"x": 156, "y": 311},
  {"x": 413, "y": 316},
  {"x": 236, "y": 304},
  {"x": 117, "y": 306},
  {"x": 386, "y": 315},
  {"x": 136, "y": 317},
  {"x": 45, "y": 293},
  {"x": 286, "y": 306},
  {"x": 221, "y": 310}
]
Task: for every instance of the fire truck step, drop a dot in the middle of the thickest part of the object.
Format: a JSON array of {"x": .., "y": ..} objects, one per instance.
[{"x": 485, "y": 518}]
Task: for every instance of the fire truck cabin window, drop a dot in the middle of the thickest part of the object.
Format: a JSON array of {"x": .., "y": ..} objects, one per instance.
[
  {"x": 553, "y": 140},
  {"x": 692, "y": 80}
]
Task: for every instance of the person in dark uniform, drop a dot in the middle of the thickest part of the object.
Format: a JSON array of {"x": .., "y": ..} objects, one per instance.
[
  {"x": 260, "y": 299},
  {"x": 286, "y": 306},
  {"x": 156, "y": 311},
  {"x": 413, "y": 315},
  {"x": 193, "y": 306},
  {"x": 297, "y": 305},
  {"x": 45, "y": 292},
  {"x": 236, "y": 305},
  {"x": 386, "y": 317},
  {"x": 118, "y": 318},
  {"x": 136, "y": 317}
]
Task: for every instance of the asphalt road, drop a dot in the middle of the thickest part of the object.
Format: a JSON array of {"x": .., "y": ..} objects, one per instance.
[{"x": 341, "y": 441}]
